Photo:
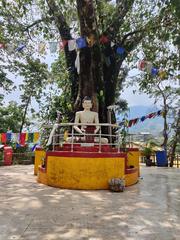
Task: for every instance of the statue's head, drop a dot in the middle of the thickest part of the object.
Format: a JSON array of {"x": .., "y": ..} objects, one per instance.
[{"x": 87, "y": 103}]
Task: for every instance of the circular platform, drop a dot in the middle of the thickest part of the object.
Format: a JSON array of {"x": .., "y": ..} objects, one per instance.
[{"x": 82, "y": 169}]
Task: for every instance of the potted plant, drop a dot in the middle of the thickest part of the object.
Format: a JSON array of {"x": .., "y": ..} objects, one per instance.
[{"x": 147, "y": 152}]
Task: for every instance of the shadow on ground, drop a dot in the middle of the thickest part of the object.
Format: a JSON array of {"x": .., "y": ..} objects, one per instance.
[{"x": 32, "y": 211}]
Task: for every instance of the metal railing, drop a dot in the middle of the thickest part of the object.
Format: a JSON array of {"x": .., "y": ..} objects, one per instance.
[{"x": 74, "y": 138}]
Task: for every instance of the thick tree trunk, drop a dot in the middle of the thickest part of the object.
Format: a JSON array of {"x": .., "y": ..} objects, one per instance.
[{"x": 91, "y": 73}]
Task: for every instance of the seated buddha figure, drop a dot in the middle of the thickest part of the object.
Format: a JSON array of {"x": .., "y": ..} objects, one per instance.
[
  {"x": 85, "y": 116},
  {"x": 88, "y": 116}
]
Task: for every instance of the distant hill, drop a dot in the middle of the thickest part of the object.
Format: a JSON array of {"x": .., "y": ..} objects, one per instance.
[{"x": 154, "y": 125}]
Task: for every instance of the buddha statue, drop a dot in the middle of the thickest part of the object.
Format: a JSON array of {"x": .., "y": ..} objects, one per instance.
[
  {"x": 85, "y": 116},
  {"x": 88, "y": 116}
]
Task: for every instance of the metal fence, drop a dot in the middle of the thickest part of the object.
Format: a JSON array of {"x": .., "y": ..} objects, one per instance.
[{"x": 112, "y": 138}]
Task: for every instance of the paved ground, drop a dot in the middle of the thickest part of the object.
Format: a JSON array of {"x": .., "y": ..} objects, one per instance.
[{"x": 32, "y": 211}]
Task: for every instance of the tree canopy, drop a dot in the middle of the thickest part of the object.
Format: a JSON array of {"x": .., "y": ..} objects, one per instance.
[{"x": 115, "y": 33}]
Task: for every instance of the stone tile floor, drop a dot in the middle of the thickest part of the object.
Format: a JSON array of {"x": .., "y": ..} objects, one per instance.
[{"x": 149, "y": 210}]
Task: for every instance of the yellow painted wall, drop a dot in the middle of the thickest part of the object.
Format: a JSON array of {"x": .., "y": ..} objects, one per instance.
[
  {"x": 131, "y": 178},
  {"x": 39, "y": 156},
  {"x": 133, "y": 159},
  {"x": 42, "y": 177},
  {"x": 83, "y": 173}
]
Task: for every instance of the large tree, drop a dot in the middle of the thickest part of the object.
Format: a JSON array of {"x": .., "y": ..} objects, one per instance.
[{"x": 125, "y": 23}]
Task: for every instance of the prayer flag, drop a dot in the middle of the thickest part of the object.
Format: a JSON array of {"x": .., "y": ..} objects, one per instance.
[
  {"x": 135, "y": 121},
  {"x": 162, "y": 74},
  {"x": 141, "y": 64},
  {"x": 120, "y": 50},
  {"x": 159, "y": 113},
  {"x": 41, "y": 48},
  {"x": 154, "y": 71},
  {"x": 30, "y": 137},
  {"x": 9, "y": 136},
  {"x": 81, "y": 42},
  {"x": 2, "y": 45},
  {"x": 22, "y": 138},
  {"x": 53, "y": 47},
  {"x": 20, "y": 47},
  {"x": 143, "y": 118},
  {"x": 26, "y": 137},
  {"x": 3, "y": 137},
  {"x": 10, "y": 49},
  {"x": 130, "y": 123},
  {"x": 15, "y": 137},
  {"x": 91, "y": 40},
  {"x": 103, "y": 39},
  {"x": 71, "y": 44},
  {"x": 77, "y": 62},
  {"x": 112, "y": 44},
  {"x": 151, "y": 115},
  {"x": 148, "y": 67},
  {"x": 62, "y": 44},
  {"x": 36, "y": 137}
]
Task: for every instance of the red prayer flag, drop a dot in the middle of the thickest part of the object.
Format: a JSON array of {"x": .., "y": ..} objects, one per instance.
[
  {"x": 103, "y": 39},
  {"x": 141, "y": 65},
  {"x": 151, "y": 115},
  {"x": 3, "y": 137},
  {"x": 135, "y": 121},
  {"x": 2, "y": 45},
  {"x": 22, "y": 138},
  {"x": 62, "y": 44},
  {"x": 130, "y": 123}
]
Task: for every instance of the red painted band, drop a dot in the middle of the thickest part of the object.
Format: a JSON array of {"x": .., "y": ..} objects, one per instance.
[
  {"x": 39, "y": 149},
  {"x": 86, "y": 155},
  {"x": 132, "y": 149}
]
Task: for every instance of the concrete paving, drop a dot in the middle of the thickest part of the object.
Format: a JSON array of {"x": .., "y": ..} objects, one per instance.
[{"x": 148, "y": 210}]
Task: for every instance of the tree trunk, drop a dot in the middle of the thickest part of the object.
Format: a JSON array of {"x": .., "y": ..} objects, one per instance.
[
  {"x": 165, "y": 134},
  {"x": 99, "y": 62},
  {"x": 24, "y": 115},
  {"x": 91, "y": 72},
  {"x": 176, "y": 140}
]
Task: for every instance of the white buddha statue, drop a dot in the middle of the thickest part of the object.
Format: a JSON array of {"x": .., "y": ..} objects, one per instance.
[
  {"x": 88, "y": 116},
  {"x": 85, "y": 116}
]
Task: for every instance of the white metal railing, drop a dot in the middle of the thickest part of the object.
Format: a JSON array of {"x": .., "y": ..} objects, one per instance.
[{"x": 114, "y": 140}]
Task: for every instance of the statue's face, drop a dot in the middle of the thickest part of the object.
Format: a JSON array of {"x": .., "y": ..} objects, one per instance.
[{"x": 87, "y": 104}]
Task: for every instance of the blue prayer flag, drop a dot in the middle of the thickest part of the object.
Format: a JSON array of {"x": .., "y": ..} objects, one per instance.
[
  {"x": 81, "y": 42},
  {"x": 154, "y": 71},
  {"x": 120, "y": 50}
]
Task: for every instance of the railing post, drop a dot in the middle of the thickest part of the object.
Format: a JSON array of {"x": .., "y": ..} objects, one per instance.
[
  {"x": 72, "y": 139},
  {"x": 53, "y": 142},
  {"x": 100, "y": 139}
]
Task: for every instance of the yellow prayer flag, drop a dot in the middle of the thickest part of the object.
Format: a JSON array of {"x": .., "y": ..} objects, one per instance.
[
  {"x": 26, "y": 139},
  {"x": 163, "y": 114},
  {"x": 36, "y": 137},
  {"x": 162, "y": 74}
]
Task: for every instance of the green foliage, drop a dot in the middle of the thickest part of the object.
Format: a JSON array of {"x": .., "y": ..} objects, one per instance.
[
  {"x": 35, "y": 76},
  {"x": 147, "y": 152},
  {"x": 10, "y": 117},
  {"x": 154, "y": 24}
]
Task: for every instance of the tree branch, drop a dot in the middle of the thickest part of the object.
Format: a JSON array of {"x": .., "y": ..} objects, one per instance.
[
  {"x": 60, "y": 21},
  {"x": 123, "y": 7},
  {"x": 26, "y": 28}
]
